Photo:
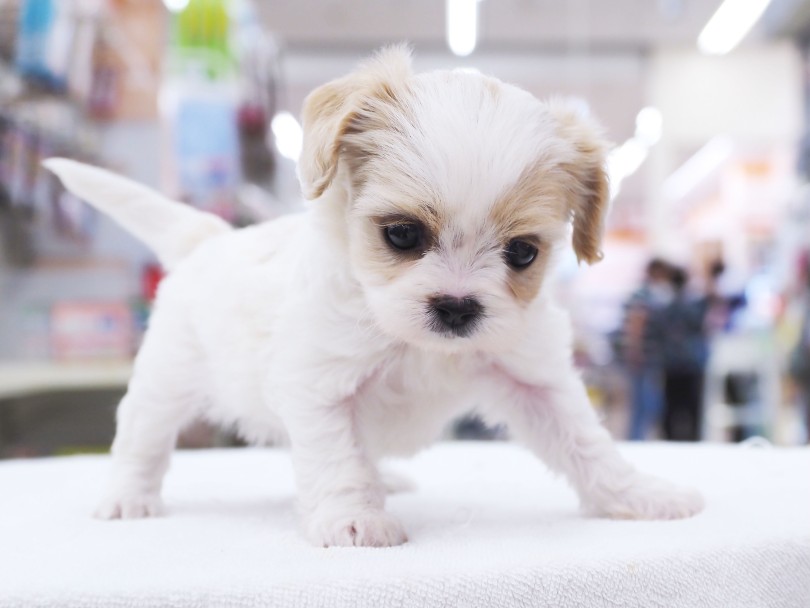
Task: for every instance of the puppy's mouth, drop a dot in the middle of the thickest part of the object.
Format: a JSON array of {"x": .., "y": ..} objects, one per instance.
[{"x": 454, "y": 317}]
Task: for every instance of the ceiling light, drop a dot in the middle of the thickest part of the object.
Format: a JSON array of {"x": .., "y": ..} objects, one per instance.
[
  {"x": 625, "y": 160},
  {"x": 699, "y": 166},
  {"x": 729, "y": 25},
  {"x": 288, "y": 134},
  {"x": 462, "y": 26},
  {"x": 648, "y": 125},
  {"x": 176, "y": 6}
]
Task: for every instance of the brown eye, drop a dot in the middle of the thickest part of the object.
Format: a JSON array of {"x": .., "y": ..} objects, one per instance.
[
  {"x": 403, "y": 236},
  {"x": 519, "y": 254}
]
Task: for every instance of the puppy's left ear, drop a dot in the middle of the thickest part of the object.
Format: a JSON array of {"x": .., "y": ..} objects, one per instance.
[
  {"x": 589, "y": 189},
  {"x": 353, "y": 104}
]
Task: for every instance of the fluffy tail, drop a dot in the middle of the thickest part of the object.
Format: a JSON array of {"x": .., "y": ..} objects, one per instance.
[{"x": 171, "y": 229}]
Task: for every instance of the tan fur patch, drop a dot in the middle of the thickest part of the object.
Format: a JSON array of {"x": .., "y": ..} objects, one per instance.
[
  {"x": 370, "y": 252},
  {"x": 493, "y": 87},
  {"x": 533, "y": 210},
  {"x": 377, "y": 255},
  {"x": 425, "y": 214},
  {"x": 524, "y": 284}
]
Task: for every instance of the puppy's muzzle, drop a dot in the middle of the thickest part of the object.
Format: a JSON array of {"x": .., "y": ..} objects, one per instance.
[{"x": 458, "y": 316}]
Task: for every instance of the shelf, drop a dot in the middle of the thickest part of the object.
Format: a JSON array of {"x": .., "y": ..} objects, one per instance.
[{"x": 23, "y": 379}]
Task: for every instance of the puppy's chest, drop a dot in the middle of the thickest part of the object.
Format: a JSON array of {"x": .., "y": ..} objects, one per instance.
[{"x": 407, "y": 403}]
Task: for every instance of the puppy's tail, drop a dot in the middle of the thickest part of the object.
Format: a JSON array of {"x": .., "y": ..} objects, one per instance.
[{"x": 171, "y": 229}]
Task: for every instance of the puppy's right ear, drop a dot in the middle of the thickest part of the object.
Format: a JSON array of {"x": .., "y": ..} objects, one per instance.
[
  {"x": 589, "y": 192},
  {"x": 349, "y": 103}
]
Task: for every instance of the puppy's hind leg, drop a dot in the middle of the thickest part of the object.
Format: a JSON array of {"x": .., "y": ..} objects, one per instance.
[{"x": 160, "y": 400}]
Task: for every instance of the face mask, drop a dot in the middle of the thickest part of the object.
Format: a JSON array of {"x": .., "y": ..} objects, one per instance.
[{"x": 660, "y": 293}]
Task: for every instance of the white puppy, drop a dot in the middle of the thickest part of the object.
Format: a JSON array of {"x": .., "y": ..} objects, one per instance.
[{"x": 412, "y": 289}]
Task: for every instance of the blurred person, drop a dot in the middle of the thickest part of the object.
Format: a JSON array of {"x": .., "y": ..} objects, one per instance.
[
  {"x": 638, "y": 346},
  {"x": 799, "y": 364},
  {"x": 685, "y": 353},
  {"x": 726, "y": 312},
  {"x": 717, "y": 305},
  {"x": 725, "y": 299}
]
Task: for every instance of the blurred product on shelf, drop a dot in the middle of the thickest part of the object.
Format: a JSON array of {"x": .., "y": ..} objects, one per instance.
[
  {"x": 43, "y": 42},
  {"x": 201, "y": 88},
  {"x": 178, "y": 100},
  {"x": 91, "y": 330}
]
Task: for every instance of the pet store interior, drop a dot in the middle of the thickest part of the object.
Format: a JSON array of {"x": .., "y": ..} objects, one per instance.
[{"x": 705, "y": 282}]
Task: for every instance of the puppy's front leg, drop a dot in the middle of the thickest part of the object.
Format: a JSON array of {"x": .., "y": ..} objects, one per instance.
[
  {"x": 340, "y": 492},
  {"x": 554, "y": 417}
]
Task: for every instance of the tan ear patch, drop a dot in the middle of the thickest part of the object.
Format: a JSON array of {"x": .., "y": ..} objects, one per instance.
[
  {"x": 325, "y": 116},
  {"x": 589, "y": 216},
  {"x": 348, "y": 104},
  {"x": 589, "y": 190}
]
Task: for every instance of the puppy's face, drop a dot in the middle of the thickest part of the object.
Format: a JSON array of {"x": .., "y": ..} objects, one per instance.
[{"x": 459, "y": 187}]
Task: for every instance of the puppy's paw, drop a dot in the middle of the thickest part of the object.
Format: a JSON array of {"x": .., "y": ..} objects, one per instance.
[
  {"x": 371, "y": 528},
  {"x": 647, "y": 497},
  {"x": 129, "y": 506}
]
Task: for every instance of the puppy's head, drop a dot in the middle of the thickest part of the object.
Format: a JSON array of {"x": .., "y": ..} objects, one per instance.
[{"x": 458, "y": 188}]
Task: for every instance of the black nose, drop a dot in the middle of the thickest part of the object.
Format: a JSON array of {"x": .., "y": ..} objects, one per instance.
[{"x": 458, "y": 315}]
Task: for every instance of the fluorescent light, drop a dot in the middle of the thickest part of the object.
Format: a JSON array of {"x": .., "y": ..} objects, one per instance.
[
  {"x": 699, "y": 166},
  {"x": 729, "y": 25},
  {"x": 625, "y": 160},
  {"x": 288, "y": 135},
  {"x": 462, "y": 26},
  {"x": 648, "y": 125},
  {"x": 176, "y": 6}
]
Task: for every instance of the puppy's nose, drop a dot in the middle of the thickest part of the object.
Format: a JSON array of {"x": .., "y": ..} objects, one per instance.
[{"x": 458, "y": 315}]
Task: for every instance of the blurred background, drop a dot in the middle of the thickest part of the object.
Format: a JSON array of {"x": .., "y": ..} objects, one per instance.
[{"x": 696, "y": 326}]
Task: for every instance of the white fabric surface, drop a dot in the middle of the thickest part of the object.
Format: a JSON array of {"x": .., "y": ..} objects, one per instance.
[{"x": 488, "y": 526}]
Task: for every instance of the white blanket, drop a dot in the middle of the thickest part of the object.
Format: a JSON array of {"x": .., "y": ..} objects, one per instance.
[{"x": 488, "y": 526}]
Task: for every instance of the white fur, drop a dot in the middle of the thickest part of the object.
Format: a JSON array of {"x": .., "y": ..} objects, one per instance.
[{"x": 283, "y": 331}]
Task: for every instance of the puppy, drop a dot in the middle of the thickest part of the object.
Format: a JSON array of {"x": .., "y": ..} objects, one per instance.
[{"x": 412, "y": 289}]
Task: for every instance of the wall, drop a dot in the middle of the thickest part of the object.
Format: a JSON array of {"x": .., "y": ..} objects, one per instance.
[{"x": 753, "y": 95}]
